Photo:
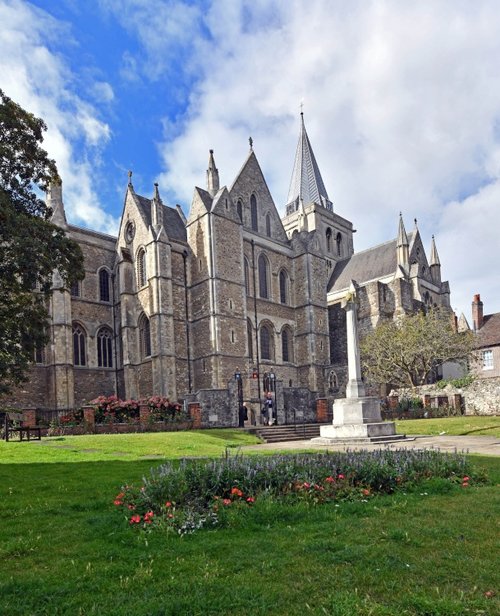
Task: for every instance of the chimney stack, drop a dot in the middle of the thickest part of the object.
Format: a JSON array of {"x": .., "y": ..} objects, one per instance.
[{"x": 477, "y": 312}]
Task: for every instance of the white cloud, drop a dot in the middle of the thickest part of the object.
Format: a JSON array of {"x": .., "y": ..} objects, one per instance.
[
  {"x": 37, "y": 78},
  {"x": 401, "y": 105}
]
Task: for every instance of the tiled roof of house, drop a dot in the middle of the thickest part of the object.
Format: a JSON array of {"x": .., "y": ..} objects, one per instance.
[{"x": 489, "y": 334}]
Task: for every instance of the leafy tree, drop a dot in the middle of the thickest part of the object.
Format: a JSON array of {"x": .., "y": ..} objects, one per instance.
[
  {"x": 404, "y": 352},
  {"x": 31, "y": 247}
]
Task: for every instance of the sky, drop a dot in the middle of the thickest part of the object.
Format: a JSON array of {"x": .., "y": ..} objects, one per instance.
[{"x": 401, "y": 102}]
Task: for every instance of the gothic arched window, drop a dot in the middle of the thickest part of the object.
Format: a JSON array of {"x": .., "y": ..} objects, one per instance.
[
  {"x": 250, "y": 338},
  {"x": 338, "y": 239},
  {"x": 145, "y": 336},
  {"x": 253, "y": 213},
  {"x": 265, "y": 342},
  {"x": 263, "y": 277},
  {"x": 75, "y": 289},
  {"x": 79, "y": 344},
  {"x": 283, "y": 287},
  {"x": 286, "y": 344},
  {"x": 329, "y": 240},
  {"x": 247, "y": 277},
  {"x": 239, "y": 209},
  {"x": 104, "y": 285},
  {"x": 141, "y": 268},
  {"x": 268, "y": 225},
  {"x": 105, "y": 348},
  {"x": 333, "y": 382}
]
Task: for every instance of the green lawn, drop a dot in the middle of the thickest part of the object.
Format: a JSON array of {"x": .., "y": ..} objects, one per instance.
[
  {"x": 471, "y": 425},
  {"x": 125, "y": 447},
  {"x": 65, "y": 549}
]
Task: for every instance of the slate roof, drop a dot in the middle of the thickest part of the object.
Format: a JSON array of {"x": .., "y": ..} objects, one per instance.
[
  {"x": 306, "y": 183},
  {"x": 370, "y": 264},
  {"x": 172, "y": 222},
  {"x": 489, "y": 334}
]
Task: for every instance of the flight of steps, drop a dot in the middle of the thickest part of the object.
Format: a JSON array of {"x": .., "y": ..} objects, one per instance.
[{"x": 280, "y": 434}]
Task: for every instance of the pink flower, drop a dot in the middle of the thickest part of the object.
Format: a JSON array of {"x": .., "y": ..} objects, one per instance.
[
  {"x": 135, "y": 519},
  {"x": 227, "y": 501},
  {"x": 306, "y": 485},
  {"x": 365, "y": 492},
  {"x": 168, "y": 504},
  {"x": 236, "y": 492},
  {"x": 340, "y": 476},
  {"x": 250, "y": 499},
  {"x": 466, "y": 478},
  {"x": 330, "y": 479},
  {"x": 117, "y": 502}
]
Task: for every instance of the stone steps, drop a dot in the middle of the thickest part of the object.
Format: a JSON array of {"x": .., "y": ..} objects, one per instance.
[{"x": 281, "y": 434}]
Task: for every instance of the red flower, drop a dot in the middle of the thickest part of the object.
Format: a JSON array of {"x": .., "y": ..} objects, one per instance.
[
  {"x": 466, "y": 478},
  {"x": 306, "y": 485},
  {"x": 340, "y": 476},
  {"x": 168, "y": 504},
  {"x": 227, "y": 501},
  {"x": 148, "y": 515},
  {"x": 330, "y": 479},
  {"x": 135, "y": 519},
  {"x": 250, "y": 499},
  {"x": 365, "y": 492},
  {"x": 117, "y": 502}
]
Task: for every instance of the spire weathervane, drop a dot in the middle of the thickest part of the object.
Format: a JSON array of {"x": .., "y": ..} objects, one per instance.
[{"x": 250, "y": 141}]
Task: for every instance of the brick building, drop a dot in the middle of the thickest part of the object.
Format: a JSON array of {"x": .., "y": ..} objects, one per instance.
[{"x": 176, "y": 306}]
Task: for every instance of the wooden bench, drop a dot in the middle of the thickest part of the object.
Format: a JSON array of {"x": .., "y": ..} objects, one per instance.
[{"x": 14, "y": 425}]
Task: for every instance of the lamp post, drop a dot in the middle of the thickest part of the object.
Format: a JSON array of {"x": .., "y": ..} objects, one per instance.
[{"x": 241, "y": 411}]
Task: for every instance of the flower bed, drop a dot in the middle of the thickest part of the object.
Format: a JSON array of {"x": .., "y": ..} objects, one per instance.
[
  {"x": 109, "y": 414},
  {"x": 196, "y": 493}
]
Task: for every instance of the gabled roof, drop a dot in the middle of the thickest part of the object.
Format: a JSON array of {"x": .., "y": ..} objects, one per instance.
[
  {"x": 489, "y": 334},
  {"x": 306, "y": 184},
  {"x": 371, "y": 264},
  {"x": 172, "y": 222}
]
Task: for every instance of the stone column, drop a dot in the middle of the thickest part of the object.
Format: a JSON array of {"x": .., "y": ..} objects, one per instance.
[{"x": 355, "y": 387}]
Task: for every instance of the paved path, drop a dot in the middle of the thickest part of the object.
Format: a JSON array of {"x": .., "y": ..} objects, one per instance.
[{"x": 486, "y": 445}]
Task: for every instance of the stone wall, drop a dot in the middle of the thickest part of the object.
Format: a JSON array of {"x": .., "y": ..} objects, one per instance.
[{"x": 482, "y": 397}]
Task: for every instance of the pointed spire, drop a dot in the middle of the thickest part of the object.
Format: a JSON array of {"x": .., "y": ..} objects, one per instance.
[
  {"x": 434, "y": 260},
  {"x": 435, "y": 263},
  {"x": 306, "y": 183},
  {"x": 402, "y": 247},
  {"x": 156, "y": 208},
  {"x": 402, "y": 237},
  {"x": 55, "y": 203},
  {"x": 212, "y": 175}
]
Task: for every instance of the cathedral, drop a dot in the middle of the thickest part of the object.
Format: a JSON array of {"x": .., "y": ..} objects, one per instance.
[{"x": 179, "y": 307}]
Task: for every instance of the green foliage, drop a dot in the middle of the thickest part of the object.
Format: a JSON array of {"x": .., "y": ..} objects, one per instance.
[
  {"x": 404, "y": 352},
  {"x": 31, "y": 247},
  {"x": 465, "y": 381},
  {"x": 201, "y": 488}
]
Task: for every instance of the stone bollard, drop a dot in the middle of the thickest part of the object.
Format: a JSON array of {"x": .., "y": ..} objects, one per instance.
[{"x": 89, "y": 419}]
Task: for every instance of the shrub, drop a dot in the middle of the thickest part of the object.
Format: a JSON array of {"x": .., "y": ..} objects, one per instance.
[
  {"x": 110, "y": 410},
  {"x": 201, "y": 490}
]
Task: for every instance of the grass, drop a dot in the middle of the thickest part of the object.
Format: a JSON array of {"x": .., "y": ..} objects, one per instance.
[
  {"x": 65, "y": 549},
  {"x": 468, "y": 425},
  {"x": 125, "y": 447}
]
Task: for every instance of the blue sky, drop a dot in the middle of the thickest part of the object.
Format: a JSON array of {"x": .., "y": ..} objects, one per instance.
[{"x": 401, "y": 101}]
